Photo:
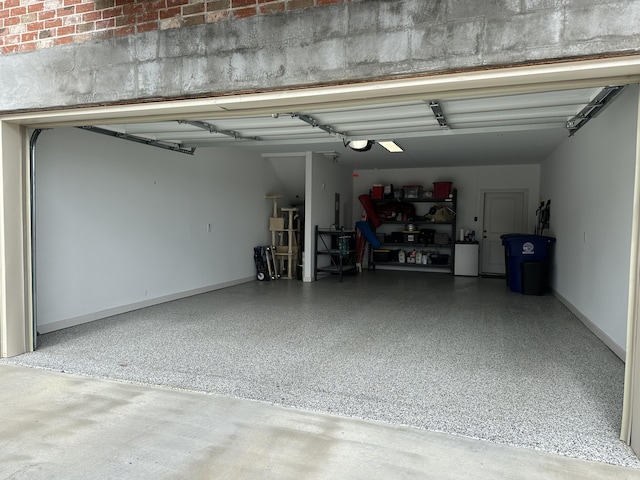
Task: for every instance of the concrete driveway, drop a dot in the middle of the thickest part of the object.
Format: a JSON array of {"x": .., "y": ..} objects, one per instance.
[{"x": 61, "y": 426}]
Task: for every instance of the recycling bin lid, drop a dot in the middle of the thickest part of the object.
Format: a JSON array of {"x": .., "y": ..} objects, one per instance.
[
  {"x": 509, "y": 238},
  {"x": 507, "y": 235}
]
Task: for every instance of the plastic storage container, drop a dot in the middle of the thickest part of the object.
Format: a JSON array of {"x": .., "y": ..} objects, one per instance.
[
  {"x": 442, "y": 189},
  {"x": 412, "y": 191},
  {"x": 439, "y": 259},
  {"x": 442, "y": 239},
  {"x": 519, "y": 249},
  {"x": 382, "y": 255}
]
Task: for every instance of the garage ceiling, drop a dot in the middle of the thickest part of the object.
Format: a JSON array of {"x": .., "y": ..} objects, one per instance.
[{"x": 489, "y": 130}]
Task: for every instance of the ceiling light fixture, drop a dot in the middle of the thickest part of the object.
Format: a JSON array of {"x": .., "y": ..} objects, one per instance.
[
  {"x": 391, "y": 146},
  {"x": 359, "y": 145}
]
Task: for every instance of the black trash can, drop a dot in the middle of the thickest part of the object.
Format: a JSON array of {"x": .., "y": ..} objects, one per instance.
[
  {"x": 299, "y": 272},
  {"x": 534, "y": 277}
]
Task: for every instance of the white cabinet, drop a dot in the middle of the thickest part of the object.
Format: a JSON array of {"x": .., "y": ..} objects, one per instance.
[{"x": 466, "y": 259}]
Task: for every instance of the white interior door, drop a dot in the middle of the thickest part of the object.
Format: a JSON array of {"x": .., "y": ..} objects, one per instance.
[{"x": 504, "y": 212}]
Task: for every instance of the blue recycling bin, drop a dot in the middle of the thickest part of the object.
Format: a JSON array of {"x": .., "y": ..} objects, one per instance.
[
  {"x": 525, "y": 249},
  {"x": 506, "y": 252}
]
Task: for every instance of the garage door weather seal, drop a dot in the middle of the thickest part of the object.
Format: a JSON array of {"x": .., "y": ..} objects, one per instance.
[{"x": 34, "y": 304}]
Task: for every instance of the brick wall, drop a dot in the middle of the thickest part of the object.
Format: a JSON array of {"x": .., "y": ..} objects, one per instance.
[{"x": 27, "y": 25}]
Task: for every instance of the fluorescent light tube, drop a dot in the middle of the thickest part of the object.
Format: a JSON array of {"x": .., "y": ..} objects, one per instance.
[{"x": 391, "y": 146}]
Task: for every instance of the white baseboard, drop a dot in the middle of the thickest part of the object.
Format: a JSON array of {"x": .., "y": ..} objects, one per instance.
[
  {"x": 110, "y": 312},
  {"x": 619, "y": 350}
]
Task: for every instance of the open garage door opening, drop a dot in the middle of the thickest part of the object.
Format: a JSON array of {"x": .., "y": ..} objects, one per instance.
[{"x": 137, "y": 217}]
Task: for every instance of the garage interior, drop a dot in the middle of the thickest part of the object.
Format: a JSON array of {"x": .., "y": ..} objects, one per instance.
[{"x": 122, "y": 226}]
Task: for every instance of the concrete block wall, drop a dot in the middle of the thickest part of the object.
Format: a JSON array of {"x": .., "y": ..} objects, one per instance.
[
  {"x": 283, "y": 45},
  {"x": 27, "y": 25}
]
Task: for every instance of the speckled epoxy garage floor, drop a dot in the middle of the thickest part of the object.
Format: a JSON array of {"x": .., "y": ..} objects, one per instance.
[{"x": 451, "y": 354}]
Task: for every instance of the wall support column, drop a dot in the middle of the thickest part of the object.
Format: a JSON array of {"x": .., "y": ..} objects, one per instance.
[{"x": 15, "y": 251}]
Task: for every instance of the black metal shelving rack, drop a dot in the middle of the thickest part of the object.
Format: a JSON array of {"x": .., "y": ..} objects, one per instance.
[
  {"x": 450, "y": 229},
  {"x": 339, "y": 246}
]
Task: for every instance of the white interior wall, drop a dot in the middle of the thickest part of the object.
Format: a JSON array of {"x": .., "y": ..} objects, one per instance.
[
  {"x": 291, "y": 170},
  {"x": 469, "y": 181},
  {"x": 589, "y": 180},
  {"x": 122, "y": 225},
  {"x": 324, "y": 179}
]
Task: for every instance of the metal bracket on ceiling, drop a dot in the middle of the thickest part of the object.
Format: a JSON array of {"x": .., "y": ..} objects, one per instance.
[
  {"x": 333, "y": 155},
  {"x": 593, "y": 108},
  {"x": 212, "y": 129},
  {"x": 313, "y": 123},
  {"x": 438, "y": 113},
  {"x": 174, "y": 147}
]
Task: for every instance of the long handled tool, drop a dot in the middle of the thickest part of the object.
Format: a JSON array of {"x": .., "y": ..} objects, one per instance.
[
  {"x": 270, "y": 265},
  {"x": 274, "y": 262}
]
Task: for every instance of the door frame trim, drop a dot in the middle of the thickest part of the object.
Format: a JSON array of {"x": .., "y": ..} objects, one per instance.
[{"x": 632, "y": 362}]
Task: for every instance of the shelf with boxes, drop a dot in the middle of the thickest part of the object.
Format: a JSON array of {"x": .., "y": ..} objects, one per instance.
[
  {"x": 442, "y": 191},
  {"x": 417, "y": 227}
]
